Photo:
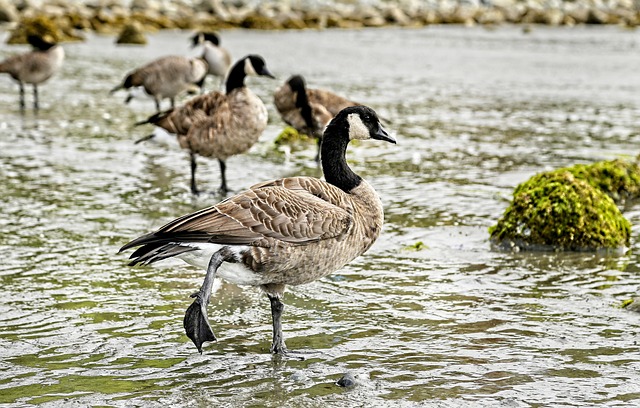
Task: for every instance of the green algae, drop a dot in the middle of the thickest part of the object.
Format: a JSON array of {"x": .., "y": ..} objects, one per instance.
[
  {"x": 619, "y": 179},
  {"x": 43, "y": 26},
  {"x": 559, "y": 211},
  {"x": 418, "y": 246},
  {"x": 290, "y": 135},
  {"x": 132, "y": 34}
]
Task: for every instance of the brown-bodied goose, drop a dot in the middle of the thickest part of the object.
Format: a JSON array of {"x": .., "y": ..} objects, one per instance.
[
  {"x": 219, "y": 125},
  {"x": 166, "y": 77},
  {"x": 217, "y": 57},
  {"x": 34, "y": 67},
  {"x": 308, "y": 110},
  {"x": 289, "y": 231}
]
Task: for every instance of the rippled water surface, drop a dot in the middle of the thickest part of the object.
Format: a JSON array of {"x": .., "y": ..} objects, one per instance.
[{"x": 453, "y": 324}]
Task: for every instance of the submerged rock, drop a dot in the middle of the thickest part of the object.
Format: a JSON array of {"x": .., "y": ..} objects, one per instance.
[
  {"x": 348, "y": 380},
  {"x": 559, "y": 211}
]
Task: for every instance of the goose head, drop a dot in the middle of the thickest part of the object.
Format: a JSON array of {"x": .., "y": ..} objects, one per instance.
[
  {"x": 359, "y": 122},
  {"x": 41, "y": 43},
  {"x": 254, "y": 65},
  {"x": 202, "y": 37},
  {"x": 296, "y": 83}
]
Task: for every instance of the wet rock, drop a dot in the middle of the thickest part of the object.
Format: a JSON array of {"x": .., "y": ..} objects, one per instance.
[
  {"x": 395, "y": 15},
  {"x": 259, "y": 21},
  {"x": 132, "y": 34},
  {"x": 597, "y": 16},
  {"x": 348, "y": 380},
  {"x": 41, "y": 25},
  {"x": 559, "y": 211},
  {"x": 299, "y": 376},
  {"x": 491, "y": 16},
  {"x": 632, "y": 305}
]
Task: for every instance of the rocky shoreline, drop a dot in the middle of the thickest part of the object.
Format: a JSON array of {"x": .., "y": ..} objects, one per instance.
[{"x": 112, "y": 16}]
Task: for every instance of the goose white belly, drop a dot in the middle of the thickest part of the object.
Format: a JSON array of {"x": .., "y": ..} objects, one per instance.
[{"x": 236, "y": 273}]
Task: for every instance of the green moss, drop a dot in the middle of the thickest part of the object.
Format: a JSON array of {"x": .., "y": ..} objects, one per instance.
[
  {"x": 619, "y": 179},
  {"x": 418, "y": 246},
  {"x": 626, "y": 303},
  {"x": 132, "y": 34},
  {"x": 290, "y": 135},
  {"x": 55, "y": 30},
  {"x": 557, "y": 210}
]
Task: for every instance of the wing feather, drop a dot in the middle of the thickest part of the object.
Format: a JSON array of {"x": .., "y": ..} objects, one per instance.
[{"x": 288, "y": 210}]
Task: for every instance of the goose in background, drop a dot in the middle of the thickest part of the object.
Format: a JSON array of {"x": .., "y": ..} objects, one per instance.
[
  {"x": 217, "y": 57},
  {"x": 289, "y": 231},
  {"x": 219, "y": 125},
  {"x": 34, "y": 67},
  {"x": 166, "y": 77},
  {"x": 308, "y": 110}
]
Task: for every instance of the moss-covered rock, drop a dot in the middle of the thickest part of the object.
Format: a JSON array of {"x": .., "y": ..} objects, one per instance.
[
  {"x": 619, "y": 179},
  {"x": 559, "y": 211},
  {"x": 632, "y": 304},
  {"x": 132, "y": 34},
  {"x": 55, "y": 30},
  {"x": 290, "y": 135}
]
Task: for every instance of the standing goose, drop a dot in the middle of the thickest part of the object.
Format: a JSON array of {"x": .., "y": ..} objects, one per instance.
[
  {"x": 34, "y": 67},
  {"x": 217, "y": 57},
  {"x": 166, "y": 77},
  {"x": 219, "y": 125},
  {"x": 289, "y": 231},
  {"x": 308, "y": 110}
]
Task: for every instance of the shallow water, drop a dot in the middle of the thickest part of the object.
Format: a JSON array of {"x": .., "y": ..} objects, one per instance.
[{"x": 455, "y": 324}]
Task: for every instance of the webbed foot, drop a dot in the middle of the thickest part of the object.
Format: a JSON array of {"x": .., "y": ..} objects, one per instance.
[{"x": 196, "y": 323}]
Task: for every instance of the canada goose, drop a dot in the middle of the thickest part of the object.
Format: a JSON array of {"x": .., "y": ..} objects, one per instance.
[
  {"x": 290, "y": 231},
  {"x": 217, "y": 57},
  {"x": 34, "y": 67},
  {"x": 166, "y": 77},
  {"x": 219, "y": 125},
  {"x": 308, "y": 110}
]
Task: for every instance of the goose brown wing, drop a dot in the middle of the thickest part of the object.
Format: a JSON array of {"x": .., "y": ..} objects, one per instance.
[
  {"x": 179, "y": 120},
  {"x": 281, "y": 210},
  {"x": 332, "y": 102}
]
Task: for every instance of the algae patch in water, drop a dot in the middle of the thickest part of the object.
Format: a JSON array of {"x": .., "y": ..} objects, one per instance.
[
  {"x": 570, "y": 209},
  {"x": 418, "y": 246},
  {"x": 290, "y": 135}
]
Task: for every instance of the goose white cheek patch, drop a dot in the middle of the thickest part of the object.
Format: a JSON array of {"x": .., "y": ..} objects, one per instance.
[
  {"x": 248, "y": 68},
  {"x": 357, "y": 129}
]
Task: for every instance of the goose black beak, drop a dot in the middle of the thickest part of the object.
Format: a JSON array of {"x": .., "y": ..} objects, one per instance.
[
  {"x": 382, "y": 134},
  {"x": 267, "y": 73}
]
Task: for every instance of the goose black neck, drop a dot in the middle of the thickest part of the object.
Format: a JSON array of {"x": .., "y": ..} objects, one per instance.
[
  {"x": 236, "y": 76},
  {"x": 334, "y": 162},
  {"x": 302, "y": 102}
]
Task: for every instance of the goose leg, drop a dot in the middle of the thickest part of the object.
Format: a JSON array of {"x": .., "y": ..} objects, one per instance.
[
  {"x": 196, "y": 323},
  {"x": 157, "y": 104},
  {"x": 278, "y": 346},
  {"x": 194, "y": 189},
  {"x": 223, "y": 168},
  {"x": 318, "y": 153},
  {"x": 36, "y": 105},
  {"x": 21, "y": 96},
  {"x": 173, "y": 103}
]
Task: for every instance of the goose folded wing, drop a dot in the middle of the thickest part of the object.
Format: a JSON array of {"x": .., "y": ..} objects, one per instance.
[{"x": 271, "y": 212}]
